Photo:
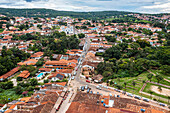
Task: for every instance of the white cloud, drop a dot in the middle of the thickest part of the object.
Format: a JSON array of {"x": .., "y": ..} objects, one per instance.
[
  {"x": 160, "y": 7},
  {"x": 148, "y": 6}
]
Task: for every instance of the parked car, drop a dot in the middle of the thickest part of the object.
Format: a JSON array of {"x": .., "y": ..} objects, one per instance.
[
  {"x": 88, "y": 81},
  {"x": 118, "y": 91},
  {"x": 98, "y": 93},
  {"x": 130, "y": 95},
  {"x": 161, "y": 104},
  {"x": 91, "y": 92},
  {"x": 98, "y": 87},
  {"x": 124, "y": 92},
  {"x": 105, "y": 87},
  {"x": 147, "y": 100},
  {"x": 82, "y": 88},
  {"x": 88, "y": 91},
  {"x": 75, "y": 73},
  {"x": 72, "y": 77},
  {"x": 86, "y": 87},
  {"x": 137, "y": 97}
]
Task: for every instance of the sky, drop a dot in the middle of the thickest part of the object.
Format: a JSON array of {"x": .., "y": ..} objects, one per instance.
[{"x": 142, "y": 6}]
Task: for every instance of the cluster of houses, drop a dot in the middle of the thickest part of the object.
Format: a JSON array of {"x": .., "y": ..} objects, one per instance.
[
  {"x": 62, "y": 67},
  {"x": 91, "y": 29},
  {"x": 44, "y": 100}
]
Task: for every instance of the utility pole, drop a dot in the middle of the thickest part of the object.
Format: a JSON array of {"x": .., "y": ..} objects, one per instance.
[
  {"x": 26, "y": 15},
  {"x": 74, "y": 27}
]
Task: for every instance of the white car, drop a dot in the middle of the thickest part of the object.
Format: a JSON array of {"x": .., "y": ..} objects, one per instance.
[
  {"x": 80, "y": 87},
  {"x": 98, "y": 87},
  {"x": 86, "y": 86},
  {"x": 106, "y": 87},
  {"x": 72, "y": 78}
]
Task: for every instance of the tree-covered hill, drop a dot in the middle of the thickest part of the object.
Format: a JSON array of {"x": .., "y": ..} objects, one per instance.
[{"x": 54, "y": 13}]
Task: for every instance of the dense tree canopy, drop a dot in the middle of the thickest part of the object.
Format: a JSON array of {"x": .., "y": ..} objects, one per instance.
[
  {"x": 121, "y": 61},
  {"x": 9, "y": 59}
]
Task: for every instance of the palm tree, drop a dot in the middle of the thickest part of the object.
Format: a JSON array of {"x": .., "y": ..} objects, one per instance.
[
  {"x": 159, "y": 78},
  {"x": 125, "y": 85},
  {"x": 160, "y": 90},
  {"x": 168, "y": 99},
  {"x": 133, "y": 83},
  {"x": 144, "y": 81},
  {"x": 151, "y": 92},
  {"x": 150, "y": 76}
]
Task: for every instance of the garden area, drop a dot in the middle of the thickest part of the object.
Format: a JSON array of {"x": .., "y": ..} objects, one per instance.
[
  {"x": 148, "y": 89},
  {"x": 9, "y": 93},
  {"x": 134, "y": 84},
  {"x": 130, "y": 84}
]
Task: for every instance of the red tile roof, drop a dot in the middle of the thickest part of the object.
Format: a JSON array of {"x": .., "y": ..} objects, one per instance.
[
  {"x": 7, "y": 37},
  {"x": 45, "y": 69},
  {"x": 10, "y": 73},
  {"x": 24, "y": 74},
  {"x": 38, "y": 54}
]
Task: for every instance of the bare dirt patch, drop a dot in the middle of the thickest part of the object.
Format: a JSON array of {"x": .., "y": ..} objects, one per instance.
[{"x": 164, "y": 91}]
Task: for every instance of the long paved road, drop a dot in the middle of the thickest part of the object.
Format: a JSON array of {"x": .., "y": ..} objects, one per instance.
[{"x": 80, "y": 82}]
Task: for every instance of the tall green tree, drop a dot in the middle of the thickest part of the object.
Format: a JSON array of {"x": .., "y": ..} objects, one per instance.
[
  {"x": 149, "y": 76},
  {"x": 159, "y": 78},
  {"x": 133, "y": 83}
]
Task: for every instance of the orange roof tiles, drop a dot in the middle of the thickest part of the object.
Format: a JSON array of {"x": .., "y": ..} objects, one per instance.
[
  {"x": 12, "y": 107},
  {"x": 24, "y": 74},
  {"x": 28, "y": 62},
  {"x": 19, "y": 103},
  {"x": 62, "y": 83},
  {"x": 7, "y": 37},
  {"x": 8, "y": 111},
  {"x": 45, "y": 69},
  {"x": 56, "y": 63},
  {"x": 75, "y": 61},
  {"x": 38, "y": 54},
  {"x": 72, "y": 65},
  {"x": 25, "y": 99},
  {"x": 156, "y": 111},
  {"x": 65, "y": 70},
  {"x": 10, "y": 73}
]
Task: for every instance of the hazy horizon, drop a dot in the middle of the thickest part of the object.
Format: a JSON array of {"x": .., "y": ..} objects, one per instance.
[{"x": 140, "y": 6}]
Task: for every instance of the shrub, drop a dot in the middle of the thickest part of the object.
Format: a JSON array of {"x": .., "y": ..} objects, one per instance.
[
  {"x": 19, "y": 78},
  {"x": 46, "y": 81},
  {"x": 36, "y": 88},
  {"x": 155, "y": 99},
  {"x": 30, "y": 88}
]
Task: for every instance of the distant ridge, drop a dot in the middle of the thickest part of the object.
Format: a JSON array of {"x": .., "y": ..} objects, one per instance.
[{"x": 42, "y": 12}]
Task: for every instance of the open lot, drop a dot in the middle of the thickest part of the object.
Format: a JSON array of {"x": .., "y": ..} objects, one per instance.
[
  {"x": 139, "y": 84},
  {"x": 165, "y": 91}
]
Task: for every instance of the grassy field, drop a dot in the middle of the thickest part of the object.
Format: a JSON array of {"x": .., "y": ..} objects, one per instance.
[
  {"x": 148, "y": 88},
  {"x": 129, "y": 87},
  {"x": 139, "y": 83},
  {"x": 159, "y": 72},
  {"x": 8, "y": 94}
]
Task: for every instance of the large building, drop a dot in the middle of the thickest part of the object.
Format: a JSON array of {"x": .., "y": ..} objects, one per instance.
[
  {"x": 96, "y": 103},
  {"x": 61, "y": 64}
]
